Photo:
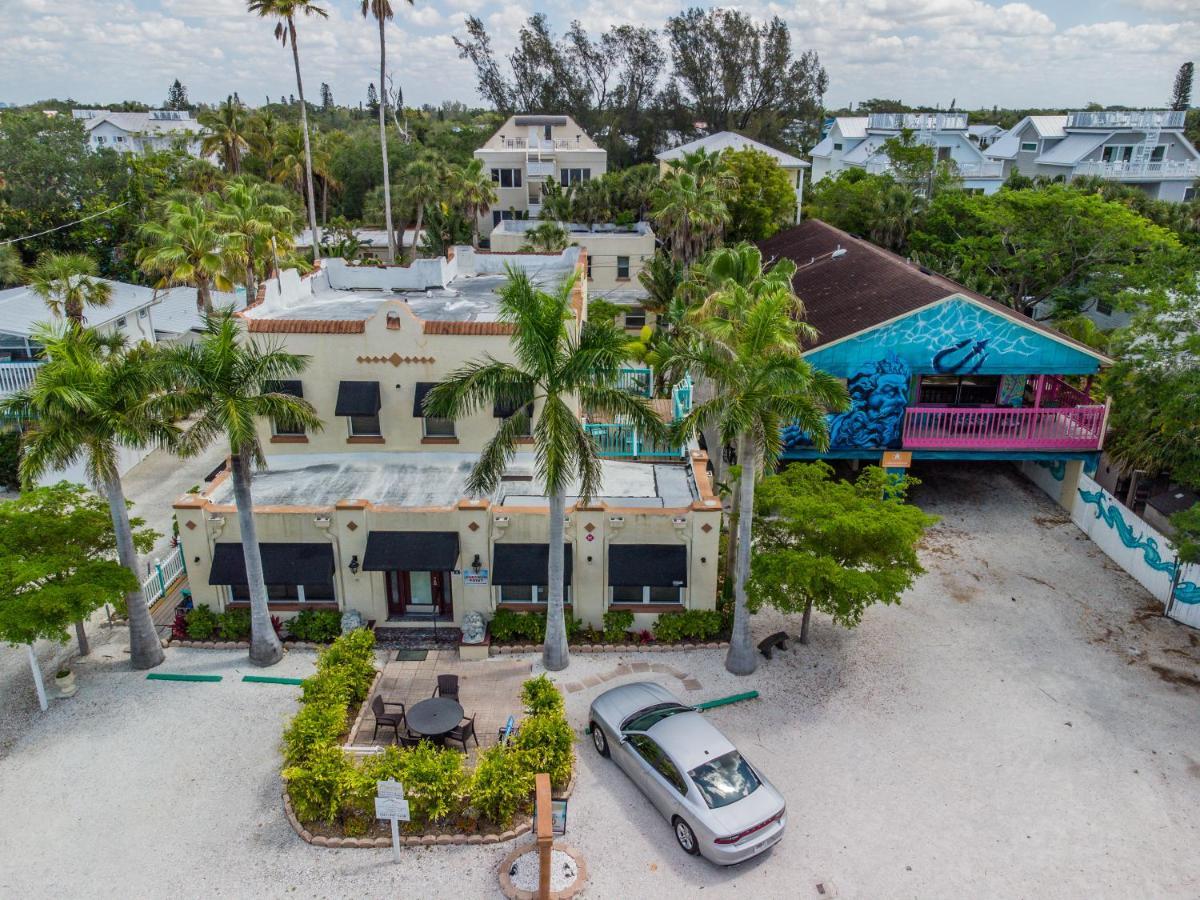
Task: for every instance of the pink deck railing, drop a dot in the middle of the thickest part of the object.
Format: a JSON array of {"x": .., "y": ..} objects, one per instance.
[
  {"x": 1056, "y": 392},
  {"x": 997, "y": 428}
]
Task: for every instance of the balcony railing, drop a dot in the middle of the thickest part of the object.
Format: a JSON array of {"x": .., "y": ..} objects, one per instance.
[
  {"x": 16, "y": 375},
  {"x": 636, "y": 381},
  {"x": 623, "y": 441},
  {"x": 985, "y": 169},
  {"x": 922, "y": 121},
  {"x": 1132, "y": 118},
  {"x": 536, "y": 144},
  {"x": 956, "y": 428},
  {"x": 1166, "y": 168}
]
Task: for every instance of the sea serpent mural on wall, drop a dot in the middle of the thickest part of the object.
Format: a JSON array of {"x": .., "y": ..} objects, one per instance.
[
  {"x": 875, "y": 419},
  {"x": 1185, "y": 591}
]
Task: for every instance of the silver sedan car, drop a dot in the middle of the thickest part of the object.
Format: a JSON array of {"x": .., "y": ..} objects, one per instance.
[{"x": 717, "y": 803}]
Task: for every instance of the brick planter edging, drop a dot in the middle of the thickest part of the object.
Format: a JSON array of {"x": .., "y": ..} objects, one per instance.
[
  {"x": 239, "y": 645},
  {"x": 614, "y": 648},
  {"x": 414, "y": 840}
]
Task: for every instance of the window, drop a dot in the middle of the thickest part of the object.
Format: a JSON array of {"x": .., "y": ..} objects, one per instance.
[
  {"x": 507, "y": 178},
  {"x": 645, "y": 719},
  {"x": 837, "y": 146},
  {"x": 121, "y": 322},
  {"x": 438, "y": 427},
  {"x": 1104, "y": 307},
  {"x": 433, "y": 427},
  {"x": 959, "y": 390},
  {"x": 364, "y": 426},
  {"x": 1117, "y": 153},
  {"x": 1189, "y": 194},
  {"x": 635, "y": 318},
  {"x": 943, "y": 154},
  {"x": 1029, "y": 146},
  {"x": 724, "y": 780},
  {"x": 502, "y": 215},
  {"x": 589, "y": 267},
  {"x": 646, "y": 593},
  {"x": 142, "y": 313},
  {"x": 547, "y": 132},
  {"x": 1157, "y": 154},
  {"x": 288, "y": 593},
  {"x": 99, "y": 139},
  {"x": 527, "y": 593},
  {"x": 622, "y": 268},
  {"x": 119, "y": 139},
  {"x": 658, "y": 760},
  {"x": 568, "y": 177}
]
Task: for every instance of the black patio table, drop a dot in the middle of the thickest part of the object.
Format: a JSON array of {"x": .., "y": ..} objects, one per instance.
[{"x": 434, "y": 717}]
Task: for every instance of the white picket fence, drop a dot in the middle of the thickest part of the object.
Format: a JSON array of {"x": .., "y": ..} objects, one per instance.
[{"x": 159, "y": 581}]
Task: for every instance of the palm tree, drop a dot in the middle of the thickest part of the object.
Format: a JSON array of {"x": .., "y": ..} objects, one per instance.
[
  {"x": 67, "y": 283},
  {"x": 746, "y": 339},
  {"x": 322, "y": 162},
  {"x": 264, "y": 128},
  {"x": 688, "y": 206},
  {"x": 189, "y": 247},
  {"x": 423, "y": 184},
  {"x": 546, "y": 237},
  {"x": 256, "y": 228},
  {"x": 559, "y": 365},
  {"x": 11, "y": 270},
  {"x": 228, "y": 383},
  {"x": 226, "y": 133},
  {"x": 92, "y": 398},
  {"x": 474, "y": 194},
  {"x": 382, "y": 11},
  {"x": 285, "y": 12}
]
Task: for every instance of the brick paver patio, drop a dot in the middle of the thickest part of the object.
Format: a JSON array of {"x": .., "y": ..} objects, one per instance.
[{"x": 489, "y": 689}]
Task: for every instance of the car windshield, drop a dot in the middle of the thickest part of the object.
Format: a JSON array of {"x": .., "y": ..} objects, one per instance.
[
  {"x": 725, "y": 780},
  {"x": 645, "y": 719}
]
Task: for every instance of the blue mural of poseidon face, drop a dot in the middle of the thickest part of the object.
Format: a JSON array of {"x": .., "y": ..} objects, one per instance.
[{"x": 878, "y": 395}]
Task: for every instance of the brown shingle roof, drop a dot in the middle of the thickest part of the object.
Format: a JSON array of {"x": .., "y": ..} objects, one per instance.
[{"x": 867, "y": 285}]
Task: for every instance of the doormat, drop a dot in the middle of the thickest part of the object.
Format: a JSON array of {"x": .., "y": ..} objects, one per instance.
[{"x": 411, "y": 655}]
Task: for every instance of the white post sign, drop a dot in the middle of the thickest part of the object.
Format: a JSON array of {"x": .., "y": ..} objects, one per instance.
[{"x": 391, "y": 805}]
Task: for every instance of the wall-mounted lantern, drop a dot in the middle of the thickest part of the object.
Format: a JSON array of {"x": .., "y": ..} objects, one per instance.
[{"x": 354, "y": 564}]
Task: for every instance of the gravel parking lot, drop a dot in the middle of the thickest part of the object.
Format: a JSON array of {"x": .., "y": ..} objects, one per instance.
[{"x": 1021, "y": 726}]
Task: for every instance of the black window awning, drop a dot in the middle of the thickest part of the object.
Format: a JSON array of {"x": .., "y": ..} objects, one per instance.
[
  {"x": 411, "y": 551},
  {"x": 357, "y": 398},
  {"x": 502, "y": 410},
  {"x": 292, "y": 388},
  {"x": 657, "y": 565},
  {"x": 282, "y": 564},
  {"x": 516, "y": 564},
  {"x": 423, "y": 388}
]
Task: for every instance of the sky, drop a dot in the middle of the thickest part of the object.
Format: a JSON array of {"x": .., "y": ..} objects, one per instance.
[{"x": 1043, "y": 53}]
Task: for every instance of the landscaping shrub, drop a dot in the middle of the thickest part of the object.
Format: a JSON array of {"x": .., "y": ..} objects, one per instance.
[
  {"x": 434, "y": 781},
  {"x": 331, "y": 685},
  {"x": 689, "y": 624},
  {"x": 354, "y": 655},
  {"x": 179, "y": 631},
  {"x": 317, "y": 625},
  {"x": 617, "y": 623},
  {"x": 319, "y": 724},
  {"x": 502, "y": 785},
  {"x": 234, "y": 624},
  {"x": 526, "y": 627},
  {"x": 540, "y": 696},
  {"x": 546, "y": 743},
  {"x": 201, "y": 623},
  {"x": 326, "y": 784},
  {"x": 10, "y": 458}
]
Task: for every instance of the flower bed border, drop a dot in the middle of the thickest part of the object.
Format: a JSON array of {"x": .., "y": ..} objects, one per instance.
[
  {"x": 614, "y": 648},
  {"x": 238, "y": 645}
]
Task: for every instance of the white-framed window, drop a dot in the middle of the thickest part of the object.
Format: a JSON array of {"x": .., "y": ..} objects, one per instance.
[
  {"x": 635, "y": 318},
  {"x": 142, "y": 313},
  {"x": 507, "y": 178},
  {"x": 1029, "y": 146},
  {"x": 364, "y": 426},
  {"x": 502, "y": 215},
  {"x": 527, "y": 593},
  {"x": 120, "y": 139},
  {"x": 99, "y": 139},
  {"x": 646, "y": 593},
  {"x": 837, "y": 146},
  {"x": 121, "y": 322},
  {"x": 622, "y": 268},
  {"x": 434, "y": 427},
  {"x": 288, "y": 593},
  {"x": 568, "y": 177},
  {"x": 1117, "y": 153}
]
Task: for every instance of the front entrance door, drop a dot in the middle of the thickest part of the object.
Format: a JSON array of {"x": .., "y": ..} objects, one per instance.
[{"x": 423, "y": 594}]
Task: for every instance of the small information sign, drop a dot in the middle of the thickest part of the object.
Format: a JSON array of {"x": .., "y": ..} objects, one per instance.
[{"x": 391, "y": 805}]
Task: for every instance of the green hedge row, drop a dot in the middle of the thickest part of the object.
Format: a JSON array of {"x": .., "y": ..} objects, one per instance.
[
  {"x": 686, "y": 624},
  {"x": 328, "y": 786}
]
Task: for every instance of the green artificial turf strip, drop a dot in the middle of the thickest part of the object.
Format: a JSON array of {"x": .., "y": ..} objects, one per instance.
[
  {"x": 169, "y": 676},
  {"x": 723, "y": 701},
  {"x": 267, "y": 679}
]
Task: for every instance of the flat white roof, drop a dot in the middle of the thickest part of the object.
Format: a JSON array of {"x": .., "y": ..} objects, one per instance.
[{"x": 422, "y": 479}]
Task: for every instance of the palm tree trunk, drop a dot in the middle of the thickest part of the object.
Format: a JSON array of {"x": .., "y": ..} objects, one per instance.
[
  {"x": 740, "y": 659},
  {"x": 416, "y": 247},
  {"x": 308, "y": 168},
  {"x": 145, "y": 649},
  {"x": 324, "y": 202},
  {"x": 387, "y": 179},
  {"x": 204, "y": 297},
  {"x": 731, "y": 544},
  {"x": 251, "y": 284},
  {"x": 265, "y": 649},
  {"x": 555, "y": 655}
]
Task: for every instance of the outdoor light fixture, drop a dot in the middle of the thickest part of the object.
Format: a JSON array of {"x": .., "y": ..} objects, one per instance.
[
  {"x": 476, "y": 564},
  {"x": 354, "y": 564}
]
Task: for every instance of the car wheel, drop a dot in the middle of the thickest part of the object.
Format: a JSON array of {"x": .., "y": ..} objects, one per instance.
[
  {"x": 685, "y": 836},
  {"x": 599, "y": 739}
]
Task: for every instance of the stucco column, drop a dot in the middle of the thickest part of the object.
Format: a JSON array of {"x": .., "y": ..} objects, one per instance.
[{"x": 1070, "y": 484}]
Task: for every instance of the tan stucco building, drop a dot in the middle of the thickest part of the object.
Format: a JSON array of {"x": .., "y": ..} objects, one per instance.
[{"x": 372, "y": 512}]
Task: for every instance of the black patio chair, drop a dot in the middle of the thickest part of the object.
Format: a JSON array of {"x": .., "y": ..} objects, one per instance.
[
  {"x": 394, "y": 721},
  {"x": 407, "y": 739},
  {"x": 463, "y": 731},
  {"x": 447, "y": 686}
]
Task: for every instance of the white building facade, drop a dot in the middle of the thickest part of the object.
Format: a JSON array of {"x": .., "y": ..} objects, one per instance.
[{"x": 141, "y": 132}]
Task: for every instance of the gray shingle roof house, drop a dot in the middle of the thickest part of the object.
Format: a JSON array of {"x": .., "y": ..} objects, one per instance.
[
  {"x": 1146, "y": 149},
  {"x": 140, "y": 132}
]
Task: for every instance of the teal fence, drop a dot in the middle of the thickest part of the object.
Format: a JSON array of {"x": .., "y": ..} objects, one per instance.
[{"x": 623, "y": 441}]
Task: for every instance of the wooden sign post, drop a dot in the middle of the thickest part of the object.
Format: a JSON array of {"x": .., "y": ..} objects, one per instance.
[{"x": 544, "y": 830}]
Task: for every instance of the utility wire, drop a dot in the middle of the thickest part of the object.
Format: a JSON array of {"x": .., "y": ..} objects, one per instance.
[{"x": 27, "y": 237}]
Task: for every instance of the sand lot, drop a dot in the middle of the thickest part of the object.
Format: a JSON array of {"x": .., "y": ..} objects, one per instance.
[{"x": 1022, "y": 726}]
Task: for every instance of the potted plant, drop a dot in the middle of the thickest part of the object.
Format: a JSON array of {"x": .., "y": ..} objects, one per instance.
[{"x": 64, "y": 681}]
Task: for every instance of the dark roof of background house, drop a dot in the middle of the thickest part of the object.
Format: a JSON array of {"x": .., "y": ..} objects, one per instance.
[
  {"x": 867, "y": 285},
  {"x": 1174, "y": 500}
]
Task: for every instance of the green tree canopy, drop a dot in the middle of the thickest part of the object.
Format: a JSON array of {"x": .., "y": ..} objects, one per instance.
[
  {"x": 58, "y": 561},
  {"x": 838, "y": 546},
  {"x": 762, "y": 198}
]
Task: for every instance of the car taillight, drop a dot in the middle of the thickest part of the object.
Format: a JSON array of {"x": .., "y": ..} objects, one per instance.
[{"x": 734, "y": 838}]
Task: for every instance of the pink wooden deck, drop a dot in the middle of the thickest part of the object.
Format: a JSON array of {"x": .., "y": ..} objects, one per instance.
[{"x": 1003, "y": 428}]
